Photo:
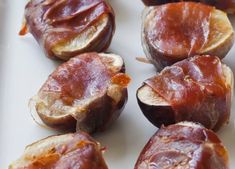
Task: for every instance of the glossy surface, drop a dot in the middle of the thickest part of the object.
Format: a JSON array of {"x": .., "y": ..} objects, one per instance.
[
  {"x": 24, "y": 68},
  {"x": 180, "y": 29},
  {"x": 80, "y": 151},
  {"x": 195, "y": 92},
  {"x": 82, "y": 77},
  {"x": 175, "y": 31},
  {"x": 53, "y": 22},
  {"x": 185, "y": 147}
]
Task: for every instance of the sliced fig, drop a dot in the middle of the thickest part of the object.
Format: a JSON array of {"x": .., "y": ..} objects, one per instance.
[
  {"x": 176, "y": 31},
  {"x": 90, "y": 91},
  {"x": 182, "y": 146},
  {"x": 65, "y": 29},
  {"x": 198, "y": 89},
  {"x": 63, "y": 151}
]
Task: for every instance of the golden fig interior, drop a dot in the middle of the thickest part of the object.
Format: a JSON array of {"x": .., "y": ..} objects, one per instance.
[
  {"x": 84, "y": 39},
  {"x": 221, "y": 32}
]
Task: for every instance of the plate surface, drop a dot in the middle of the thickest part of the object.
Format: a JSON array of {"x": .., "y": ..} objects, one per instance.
[{"x": 24, "y": 68}]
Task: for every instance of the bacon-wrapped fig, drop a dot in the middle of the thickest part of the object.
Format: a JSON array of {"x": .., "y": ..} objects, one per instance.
[
  {"x": 66, "y": 28},
  {"x": 226, "y": 5},
  {"x": 74, "y": 151},
  {"x": 175, "y": 31},
  {"x": 90, "y": 91},
  {"x": 197, "y": 89},
  {"x": 184, "y": 145}
]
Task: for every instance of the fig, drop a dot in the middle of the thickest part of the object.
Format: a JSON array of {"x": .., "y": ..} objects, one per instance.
[
  {"x": 182, "y": 146},
  {"x": 88, "y": 91},
  {"x": 197, "y": 89},
  {"x": 65, "y": 29},
  {"x": 77, "y": 150},
  {"x": 176, "y": 31}
]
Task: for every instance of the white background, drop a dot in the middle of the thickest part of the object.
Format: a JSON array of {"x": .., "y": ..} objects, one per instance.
[{"x": 24, "y": 68}]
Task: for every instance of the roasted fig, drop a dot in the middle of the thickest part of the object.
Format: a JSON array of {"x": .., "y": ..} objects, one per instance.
[
  {"x": 90, "y": 91},
  {"x": 66, "y": 28},
  {"x": 75, "y": 151},
  {"x": 197, "y": 89},
  {"x": 175, "y": 31},
  {"x": 226, "y": 5},
  {"x": 183, "y": 146}
]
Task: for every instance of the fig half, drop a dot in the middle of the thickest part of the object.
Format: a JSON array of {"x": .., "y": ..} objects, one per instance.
[
  {"x": 176, "y": 31},
  {"x": 65, "y": 29},
  {"x": 64, "y": 151},
  {"x": 182, "y": 146},
  {"x": 89, "y": 91},
  {"x": 199, "y": 89}
]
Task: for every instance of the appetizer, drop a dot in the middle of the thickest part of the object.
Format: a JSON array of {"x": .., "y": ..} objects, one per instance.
[
  {"x": 226, "y": 5},
  {"x": 175, "y": 31},
  {"x": 183, "y": 146},
  {"x": 89, "y": 91},
  {"x": 74, "y": 151},
  {"x": 65, "y": 29},
  {"x": 197, "y": 89}
]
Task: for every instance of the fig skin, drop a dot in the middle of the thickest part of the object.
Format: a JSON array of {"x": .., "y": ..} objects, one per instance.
[
  {"x": 103, "y": 113},
  {"x": 160, "y": 115},
  {"x": 184, "y": 145},
  {"x": 100, "y": 115},
  {"x": 157, "y": 115}
]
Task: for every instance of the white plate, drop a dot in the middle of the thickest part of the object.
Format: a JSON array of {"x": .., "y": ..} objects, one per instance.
[{"x": 24, "y": 68}]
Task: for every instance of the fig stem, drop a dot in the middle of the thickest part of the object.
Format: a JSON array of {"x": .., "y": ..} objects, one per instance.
[{"x": 143, "y": 60}]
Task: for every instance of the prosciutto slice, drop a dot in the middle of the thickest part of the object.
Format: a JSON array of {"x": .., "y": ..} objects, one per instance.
[
  {"x": 82, "y": 77},
  {"x": 181, "y": 29}
]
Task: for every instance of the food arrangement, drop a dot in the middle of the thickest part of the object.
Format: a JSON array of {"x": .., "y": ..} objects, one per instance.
[{"x": 88, "y": 92}]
